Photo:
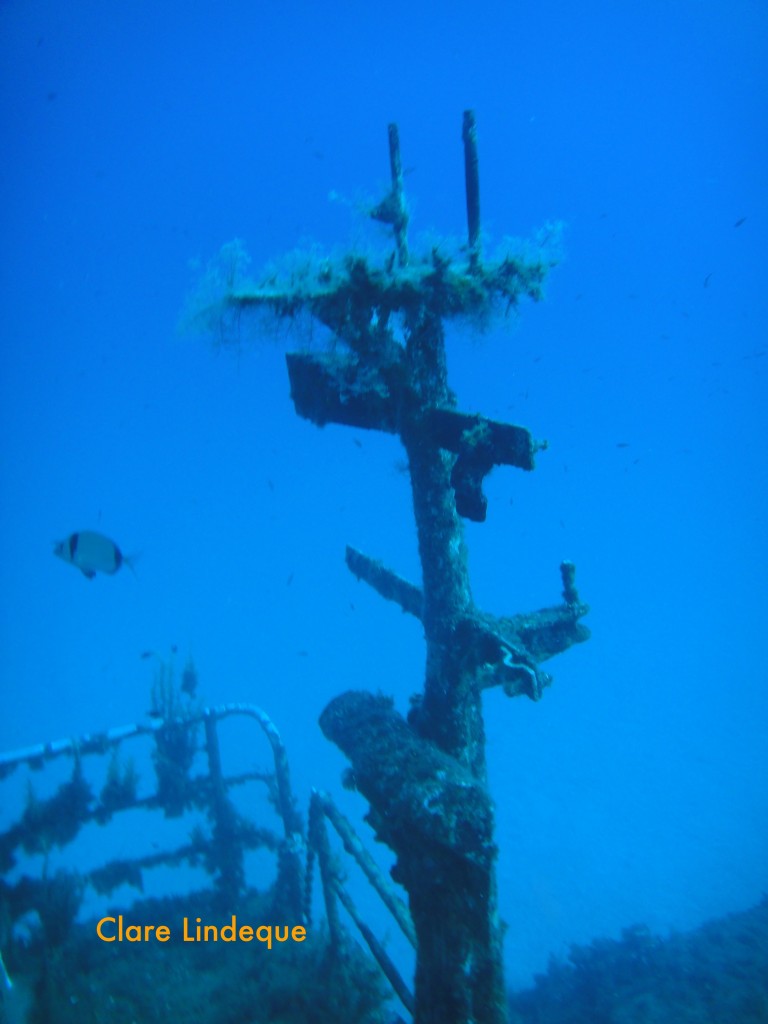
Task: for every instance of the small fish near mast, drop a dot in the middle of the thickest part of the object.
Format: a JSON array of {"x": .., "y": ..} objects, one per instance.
[{"x": 92, "y": 552}]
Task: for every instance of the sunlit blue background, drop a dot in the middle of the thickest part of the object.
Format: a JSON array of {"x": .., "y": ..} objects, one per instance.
[{"x": 137, "y": 138}]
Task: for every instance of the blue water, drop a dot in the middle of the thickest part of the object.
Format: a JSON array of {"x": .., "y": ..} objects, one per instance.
[{"x": 137, "y": 139}]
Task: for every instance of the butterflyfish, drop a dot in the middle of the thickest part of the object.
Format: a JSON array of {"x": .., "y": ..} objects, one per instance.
[{"x": 92, "y": 552}]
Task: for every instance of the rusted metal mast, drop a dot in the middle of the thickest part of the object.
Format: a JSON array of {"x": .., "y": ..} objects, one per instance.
[{"x": 425, "y": 777}]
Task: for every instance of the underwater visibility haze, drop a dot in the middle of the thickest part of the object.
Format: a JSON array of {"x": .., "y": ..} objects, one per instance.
[{"x": 190, "y": 262}]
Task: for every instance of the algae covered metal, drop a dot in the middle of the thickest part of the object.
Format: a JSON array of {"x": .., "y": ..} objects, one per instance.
[{"x": 425, "y": 777}]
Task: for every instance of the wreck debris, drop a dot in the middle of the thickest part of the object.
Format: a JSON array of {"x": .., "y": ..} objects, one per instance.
[
  {"x": 57, "y": 820},
  {"x": 425, "y": 778},
  {"x": 321, "y": 806}
]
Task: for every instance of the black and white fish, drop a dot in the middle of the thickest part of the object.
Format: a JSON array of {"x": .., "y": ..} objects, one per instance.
[{"x": 92, "y": 552}]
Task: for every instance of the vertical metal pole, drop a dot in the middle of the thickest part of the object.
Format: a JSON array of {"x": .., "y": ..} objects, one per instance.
[
  {"x": 472, "y": 185},
  {"x": 214, "y": 761},
  {"x": 227, "y": 850},
  {"x": 400, "y": 213}
]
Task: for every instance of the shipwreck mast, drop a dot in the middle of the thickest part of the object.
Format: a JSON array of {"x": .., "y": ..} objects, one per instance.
[{"x": 425, "y": 778}]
